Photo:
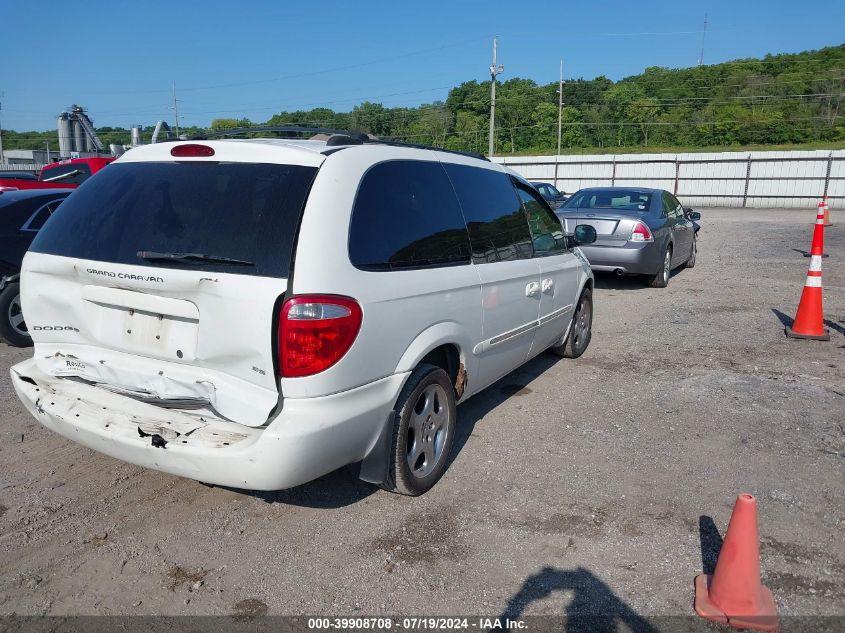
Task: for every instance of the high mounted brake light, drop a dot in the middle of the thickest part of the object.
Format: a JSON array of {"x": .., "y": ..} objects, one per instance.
[
  {"x": 191, "y": 150},
  {"x": 315, "y": 331}
]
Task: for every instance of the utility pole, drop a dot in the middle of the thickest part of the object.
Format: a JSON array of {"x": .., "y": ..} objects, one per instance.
[
  {"x": 559, "y": 117},
  {"x": 175, "y": 107},
  {"x": 703, "y": 35},
  {"x": 495, "y": 69}
]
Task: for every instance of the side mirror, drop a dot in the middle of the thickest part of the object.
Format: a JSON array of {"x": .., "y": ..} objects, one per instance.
[
  {"x": 584, "y": 234},
  {"x": 693, "y": 215}
]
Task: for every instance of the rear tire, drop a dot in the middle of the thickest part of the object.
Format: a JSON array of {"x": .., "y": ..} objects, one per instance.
[
  {"x": 691, "y": 261},
  {"x": 661, "y": 279},
  {"x": 12, "y": 326},
  {"x": 581, "y": 329},
  {"x": 423, "y": 433}
]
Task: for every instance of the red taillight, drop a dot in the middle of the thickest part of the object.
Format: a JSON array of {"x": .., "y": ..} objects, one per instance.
[
  {"x": 641, "y": 233},
  {"x": 191, "y": 150},
  {"x": 315, "y": 331}
]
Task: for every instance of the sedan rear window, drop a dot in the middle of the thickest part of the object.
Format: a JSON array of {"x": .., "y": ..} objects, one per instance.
[
  {"x": 230, "y": 213},
  {"x": 622, "y": 199}
]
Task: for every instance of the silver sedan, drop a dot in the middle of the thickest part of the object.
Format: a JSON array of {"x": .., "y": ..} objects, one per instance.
[{"x": 639, "y": 231}]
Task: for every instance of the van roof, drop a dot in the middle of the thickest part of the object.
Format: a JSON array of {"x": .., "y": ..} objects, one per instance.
[{"x": 277, "y": 150}]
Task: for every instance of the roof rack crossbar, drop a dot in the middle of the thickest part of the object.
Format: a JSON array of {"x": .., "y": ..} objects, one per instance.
[{"x": 395, "y": 143}]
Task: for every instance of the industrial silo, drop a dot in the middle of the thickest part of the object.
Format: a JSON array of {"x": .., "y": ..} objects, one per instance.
[
  {"x": 65, "y": 135},
  {"x": 78, "y": 136}
]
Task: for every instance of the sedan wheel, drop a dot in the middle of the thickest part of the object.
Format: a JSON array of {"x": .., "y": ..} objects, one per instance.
[
  {"x": 661, "y": 279},
  {"x": 691, "y": 261}
]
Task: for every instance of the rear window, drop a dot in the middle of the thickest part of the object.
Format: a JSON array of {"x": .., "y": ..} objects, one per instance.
[
  {"x": 622, "y": 199},
  {"x": 243, "y": 211},
  {"x": 76, "y": 174}
]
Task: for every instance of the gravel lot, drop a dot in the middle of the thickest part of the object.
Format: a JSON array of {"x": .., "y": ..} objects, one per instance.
[{"x": 598, "y": 485}]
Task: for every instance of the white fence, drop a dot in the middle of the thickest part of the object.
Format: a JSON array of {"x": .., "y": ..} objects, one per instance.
[
  {"x": 796, "y": 179},
  {"x": 29, "y": 168}
]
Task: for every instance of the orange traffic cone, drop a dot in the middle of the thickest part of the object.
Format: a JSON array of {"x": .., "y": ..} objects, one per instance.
[
  {"x": 809, "y": 320},
  {"x": 734, "y": 594},
  {"x": 826, "y": 212}
]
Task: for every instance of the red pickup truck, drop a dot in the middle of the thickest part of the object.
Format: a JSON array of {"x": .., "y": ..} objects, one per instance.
[{"x": 66, "y": 174}]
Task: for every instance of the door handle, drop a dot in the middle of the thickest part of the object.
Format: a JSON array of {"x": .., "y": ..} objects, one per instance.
[
  {"x": 549, "y": 285},
  {"x": 532, "y": 289}
]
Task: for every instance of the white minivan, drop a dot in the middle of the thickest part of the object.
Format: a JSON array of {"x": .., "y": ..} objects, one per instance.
[{"x": 258, "y": 313}]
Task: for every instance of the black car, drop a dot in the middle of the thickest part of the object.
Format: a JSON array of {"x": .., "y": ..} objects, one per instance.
[
  {"x": 22, "y": 214},
  {"x": 20, "y": 175},
  {"x": 551, "y": 194}
]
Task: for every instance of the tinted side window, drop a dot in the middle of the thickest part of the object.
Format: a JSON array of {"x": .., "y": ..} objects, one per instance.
[
  {"x": 679, "y": 209},
  {"x": 498, "y": 230},
  {"x": 668, "y": 205},
  {"x": 546, "y": 232},
  {"x": 35, "y": 222},
  {"x": 406, "y": 215}
]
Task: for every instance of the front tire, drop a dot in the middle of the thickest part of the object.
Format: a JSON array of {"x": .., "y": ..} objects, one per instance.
[
  {"x": 424, "y": 432},
  {"x": 12, "y": 325},
  {"x": 581, "y": 329},
  {"x": 661, "y": 279}
]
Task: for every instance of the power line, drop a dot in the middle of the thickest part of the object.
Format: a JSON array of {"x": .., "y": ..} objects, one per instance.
[
  {"x": 312, "y": 73},
  {"x": 577, "y": 85}
]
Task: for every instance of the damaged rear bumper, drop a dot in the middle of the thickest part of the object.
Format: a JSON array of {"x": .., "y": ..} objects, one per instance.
[{"x": 309, "y": 437}]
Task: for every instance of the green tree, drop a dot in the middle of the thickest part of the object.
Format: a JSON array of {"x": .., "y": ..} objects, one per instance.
[{"x": 644, "y": 111}]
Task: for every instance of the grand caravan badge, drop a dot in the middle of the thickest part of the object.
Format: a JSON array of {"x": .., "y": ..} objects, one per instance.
[{"x": 129, "y": 276}]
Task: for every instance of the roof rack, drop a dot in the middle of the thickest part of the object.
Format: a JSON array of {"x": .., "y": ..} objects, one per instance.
[
  {"x": 336, "y": 137},
  {"x": 394, "y": 143},
  {"x": 300, "y": 129}
]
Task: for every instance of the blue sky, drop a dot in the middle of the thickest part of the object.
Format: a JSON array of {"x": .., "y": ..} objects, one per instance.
[{"x": 255, "y": 58}]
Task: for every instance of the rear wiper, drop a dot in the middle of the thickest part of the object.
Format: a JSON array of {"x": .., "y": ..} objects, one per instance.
[
  {"x": 154, "y": 256},
  {"x": 62, "y": 176}
]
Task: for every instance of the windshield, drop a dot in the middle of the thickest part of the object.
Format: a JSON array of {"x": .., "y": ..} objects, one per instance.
[
  {"x": 221, "y": 211},
  {"x": 617, "y": 199}
]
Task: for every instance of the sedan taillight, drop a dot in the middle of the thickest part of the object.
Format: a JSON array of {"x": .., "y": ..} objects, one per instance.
[
  {"x": 641, "y": 233},
  {"x": 315, "y": 331}
]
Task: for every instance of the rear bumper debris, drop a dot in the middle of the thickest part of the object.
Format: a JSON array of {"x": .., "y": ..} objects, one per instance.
[{"x": 307, "y": 439}]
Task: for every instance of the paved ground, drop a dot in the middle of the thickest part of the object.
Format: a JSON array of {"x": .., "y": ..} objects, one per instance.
[{"x": 599, "y": 485}]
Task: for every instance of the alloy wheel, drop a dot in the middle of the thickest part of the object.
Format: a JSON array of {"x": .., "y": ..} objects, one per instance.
[
  {"x": 427, "y": 431},
  {"x": 582, "y": 322}
]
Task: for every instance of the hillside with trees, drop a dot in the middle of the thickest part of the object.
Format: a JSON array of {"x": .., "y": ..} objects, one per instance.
[{"x": 780, "y": 99}]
